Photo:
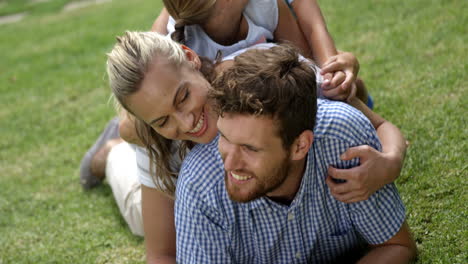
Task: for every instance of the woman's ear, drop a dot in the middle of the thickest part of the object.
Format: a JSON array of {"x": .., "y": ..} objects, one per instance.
[
  {"x": 192, "y": 57},
  {"x": 301, "y": 145}
]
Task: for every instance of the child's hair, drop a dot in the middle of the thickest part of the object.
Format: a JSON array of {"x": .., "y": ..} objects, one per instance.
[
  {"x": 273, "y": 82},
  {"x": 127, "y": 65},
  {"x": 187, "y": 12}
]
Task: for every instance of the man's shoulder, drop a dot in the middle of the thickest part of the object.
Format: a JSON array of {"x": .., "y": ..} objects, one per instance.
[
  {"x": 342, "y": 122},
  {"x": 202, "y": 170}
]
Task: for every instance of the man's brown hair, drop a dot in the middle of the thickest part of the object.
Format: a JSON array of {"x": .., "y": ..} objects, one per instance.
[{"x": 273, "y": 82}]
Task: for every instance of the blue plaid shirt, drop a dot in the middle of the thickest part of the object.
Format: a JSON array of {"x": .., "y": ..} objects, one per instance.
[{"x": 314, "y": 228}]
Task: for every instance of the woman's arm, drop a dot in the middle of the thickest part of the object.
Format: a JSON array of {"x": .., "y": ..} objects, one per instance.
[
  {"x": 376, "y": 168},
  {"x": 158, "y": 223},
  {"x": 127, "y": 129},
  {"x": 401, "y": 248},
  {"x": 390, "y": 136},
  {"x": 160, "y": 24}
]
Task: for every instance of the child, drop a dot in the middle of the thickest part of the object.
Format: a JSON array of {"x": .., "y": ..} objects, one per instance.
[{"x": 209, "y": 26}]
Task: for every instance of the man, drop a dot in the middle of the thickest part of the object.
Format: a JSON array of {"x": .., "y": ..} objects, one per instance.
[{"x": 271, "y": 203}]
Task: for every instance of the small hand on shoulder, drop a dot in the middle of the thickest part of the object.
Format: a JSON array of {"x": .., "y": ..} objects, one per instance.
[{"x": 340, "y": 73}]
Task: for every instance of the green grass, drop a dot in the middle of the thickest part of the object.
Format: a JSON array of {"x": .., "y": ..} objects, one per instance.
[
  {"x": 31, "y": 7},
  {"x": 54, "y": 98}
]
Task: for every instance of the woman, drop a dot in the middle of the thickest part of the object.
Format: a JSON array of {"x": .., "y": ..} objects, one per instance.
[{"x": 165, "y": 86}]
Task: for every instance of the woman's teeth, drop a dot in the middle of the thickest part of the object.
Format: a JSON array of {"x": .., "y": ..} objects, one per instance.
[
  {"x": 199, "y": 125},
  {"x": 239, "y": 177}
]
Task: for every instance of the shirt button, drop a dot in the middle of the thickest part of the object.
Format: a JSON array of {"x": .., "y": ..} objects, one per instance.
[
  {"x": 290, "y": 216},
  {"x": 298, "y": 255}
]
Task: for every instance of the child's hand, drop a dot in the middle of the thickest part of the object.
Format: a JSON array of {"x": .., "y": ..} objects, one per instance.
[
  {"x": 332, "y": 87},
  {"x": 340, "y": 72}
]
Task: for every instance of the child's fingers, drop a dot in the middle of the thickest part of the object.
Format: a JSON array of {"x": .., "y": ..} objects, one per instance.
[
  {"x": 328, "y": 76},
  {"x": 338, "y": 79},
  {"x": 330, "y": 60},
  {"x": 352, "y": 92},
  {"x": 331, "y": 67},
  {"x": 334, "y": 94},
  {"x": 346, "y": 84},
  {"x": 326, "y": 81}
]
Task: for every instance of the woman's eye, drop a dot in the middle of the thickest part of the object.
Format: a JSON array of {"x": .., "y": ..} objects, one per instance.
[
  {"x": 186, "y": 95},
  {"x": 163, "y": 123}
]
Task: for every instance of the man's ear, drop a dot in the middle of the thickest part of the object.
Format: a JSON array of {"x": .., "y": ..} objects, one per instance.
[
  {"x": 301, "y": 145},
  {"x": 192, "y": 57}
]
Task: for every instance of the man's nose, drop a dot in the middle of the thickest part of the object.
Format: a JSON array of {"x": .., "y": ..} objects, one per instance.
[{"x": 232, "y": 159}]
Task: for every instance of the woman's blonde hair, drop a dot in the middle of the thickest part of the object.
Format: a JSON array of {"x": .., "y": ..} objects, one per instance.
[
  {"x": 131, "y": 57},
  {"x": 188, "y": 12},
  {"x": 127, "y": 65}
]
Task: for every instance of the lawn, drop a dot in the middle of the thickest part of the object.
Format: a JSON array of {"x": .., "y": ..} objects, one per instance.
[{"x": 54, "y": 103}]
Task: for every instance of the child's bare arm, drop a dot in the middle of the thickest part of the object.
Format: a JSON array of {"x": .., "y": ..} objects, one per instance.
[
  {"x": 312, "y": 24},
  {"x": 160, "y": 24},
  {"x": 289, "y": 30}
]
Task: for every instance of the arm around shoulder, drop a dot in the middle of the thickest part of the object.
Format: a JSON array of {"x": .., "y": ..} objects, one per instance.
[
  {"x": 392, "y": 140},
  {"x": 401, "y": 248},
  {"x": 376, "y": 168},
  {"x": 381, "y": 221}
]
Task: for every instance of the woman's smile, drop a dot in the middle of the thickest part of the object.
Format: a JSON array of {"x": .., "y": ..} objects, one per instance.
[{"x": 200, "y": 127}]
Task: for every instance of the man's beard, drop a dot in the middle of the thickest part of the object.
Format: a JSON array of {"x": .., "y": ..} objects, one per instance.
[{"x": 266, "y": 184}]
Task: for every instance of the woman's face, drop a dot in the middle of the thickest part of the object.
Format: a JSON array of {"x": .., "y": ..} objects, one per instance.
[{"x": 173, "y": 101}]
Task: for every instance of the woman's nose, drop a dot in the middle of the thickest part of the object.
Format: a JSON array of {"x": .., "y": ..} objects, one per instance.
[{"x": 185, "y": 121}]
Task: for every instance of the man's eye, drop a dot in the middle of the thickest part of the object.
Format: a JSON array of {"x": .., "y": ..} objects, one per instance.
[{"x": 250, "y": 148}]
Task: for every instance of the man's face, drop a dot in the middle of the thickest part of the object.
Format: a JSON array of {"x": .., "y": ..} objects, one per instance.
[{"x": 255, "y": 161}]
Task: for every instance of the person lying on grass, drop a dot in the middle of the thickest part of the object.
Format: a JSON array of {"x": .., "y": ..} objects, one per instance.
[
  {"x": 257, "y": 193},
  {"x": 154, "y": 67},
  {"x": 258, "y": 20}
]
